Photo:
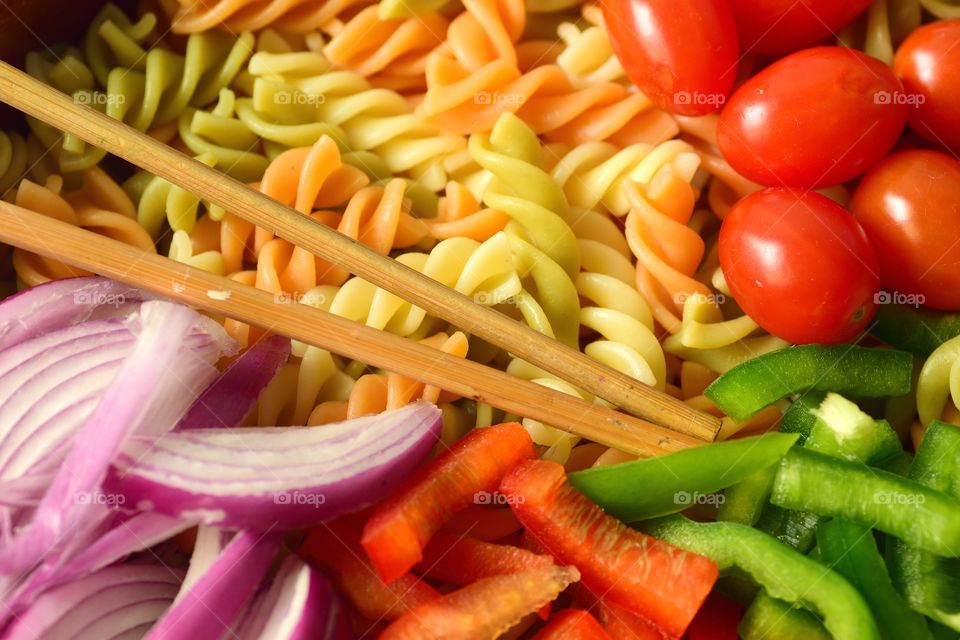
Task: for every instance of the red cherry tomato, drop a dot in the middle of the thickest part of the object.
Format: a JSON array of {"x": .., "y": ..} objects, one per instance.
[
  {"x": 681, "y": 53},
  {"x": 799, "y": 265},
  {"x": 783, "y": 26},
  {"x": 909, "y": 205},
  {"x": 928, "y": 63},
  {"x": 815, "y": 118}
]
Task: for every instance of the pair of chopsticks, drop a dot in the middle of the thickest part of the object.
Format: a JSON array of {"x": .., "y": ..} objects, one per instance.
[{"x": 665, "y": 423}]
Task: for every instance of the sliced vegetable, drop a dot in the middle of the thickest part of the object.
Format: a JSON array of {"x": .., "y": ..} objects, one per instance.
[
  {"x": 931, "y": 583},
  {"x": 915, "y": 329},
  {"x": 782, "y": 571},
  {"x": 485, "y": 609},
  {"x": 717, "y": 619},
  {"x": 299, "y": 604},
  {"x": 337, "y": 545},
  {"x": 744, "y": 502},
  {"x": 572, "y": 624},
  {"x": 647, "y": 577},
  {"x": 848, "y": 370},
  {"x": 769, "y": 618},
  {"x": 920, "y": 515},
  {"x": 110, "y": 603},
  {"x": 209, "y": 606},
  {"x": 483, "y": 522},
  {"x": 228, "y": 400},
  {"x": 266, "y": 478},
  {"x": 653, "y": 487},
  {"x": 799, "y": 418},
  {"x": 842, "y": 430},
  {"x": 850, "y": 550},
  {"x": 620, "y": 623},
  {"x": 461, "y": 560},
  {"x": 396, "y": 533}
]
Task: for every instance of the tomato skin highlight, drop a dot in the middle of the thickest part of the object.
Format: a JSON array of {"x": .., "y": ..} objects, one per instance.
[
  {"x": 682, "y": 54},
  {"x": 909, "y": 205},
  {"x": 784, "y": 26},
  {"x": 928, "y": 64},
  {"x": 800, "y": 265},
  {"x": 644, "y": 575},
  {"x": 816, "y": 118}
]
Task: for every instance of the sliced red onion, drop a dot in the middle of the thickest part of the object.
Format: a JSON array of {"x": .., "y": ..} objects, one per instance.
[
  {"x": 227, "y": 401},
  {"x": 299, "y": 604},
  {"x": 209, "y": 607},
  {"x": 105, "y": 604},
  {"x": 158, "y": 375},
  {"x": 282, "y": 477},
  {"x": 61, "y": 303}
]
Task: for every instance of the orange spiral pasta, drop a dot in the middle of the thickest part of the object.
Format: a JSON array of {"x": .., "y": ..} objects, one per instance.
[
  {"x": 99, "y": 205},
  {"x": 295, "y": 16},
  {"x": 479, "y": 73},
  {"x": 390, "y": 53},
  {"x": 459, "y": 215}
]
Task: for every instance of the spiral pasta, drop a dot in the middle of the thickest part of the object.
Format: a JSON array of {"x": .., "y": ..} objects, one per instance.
[
  {"x": 939, "y": 381},
  {"x": 587, "y": 55},
  {"x": 295, "y": 16}
]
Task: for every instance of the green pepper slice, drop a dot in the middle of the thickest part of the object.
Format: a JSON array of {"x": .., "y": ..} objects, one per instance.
[{"x": 919, "y": 331}]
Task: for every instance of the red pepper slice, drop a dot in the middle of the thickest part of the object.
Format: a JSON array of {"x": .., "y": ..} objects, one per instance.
[
  {"x": 620, "y": 623},
  {"x": 396, "y": 533},
  {"x": 336, "y": 545},
  {"x": 485, "y": 609},
  {"x": 483, "y": 523},
  {"x": 461, "y": 560},
  {"x": 645, "y": 576},
  {"x": 573, "y": 624},
  {"x": 717, "y": 619}
]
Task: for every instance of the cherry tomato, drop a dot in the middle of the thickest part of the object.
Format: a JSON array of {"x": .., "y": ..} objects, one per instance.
[
  {"x": 815, "y": 118},
  {"x": 928, "y": 63},
  {"x": 783, "y": 26},
  {"x": 909, "y": 205},
  {"x": 799, "y": 265},
  {"x": 681, "y": 53}
]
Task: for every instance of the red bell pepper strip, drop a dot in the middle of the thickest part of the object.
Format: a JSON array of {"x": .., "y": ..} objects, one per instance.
[
  {"x": 401, "y": 526},
  {"x": 645, "y": 576},
  {"x": 717, "y": 619},
  {"x": 461, "y": 560},
  {"x": 485, "y": 609},
  {"x": 620, "y": 623},
  {"x": 336, "y": 546},
  {"x": 572, "y": 624},
  {"x": 483, "y": 523}
]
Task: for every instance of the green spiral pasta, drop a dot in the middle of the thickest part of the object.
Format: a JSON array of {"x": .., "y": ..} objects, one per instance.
[{"x": 524, "y": 191}]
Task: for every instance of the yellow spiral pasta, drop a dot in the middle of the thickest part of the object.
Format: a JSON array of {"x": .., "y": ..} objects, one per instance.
[
  {"x": 295, "y": 16},
  {"x": 939, "y": 382},
  {"x": 14, "y": 156},
  {"x": 587, "y": 55}
]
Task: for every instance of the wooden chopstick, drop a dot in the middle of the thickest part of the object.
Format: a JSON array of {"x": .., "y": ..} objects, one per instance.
[
  {"x": 59, "y": 110},
  {"x": 216, "y": 294}
]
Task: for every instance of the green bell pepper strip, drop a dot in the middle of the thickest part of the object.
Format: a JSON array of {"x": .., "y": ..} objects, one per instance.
[
  {"x": 931, "y": 583},
  {"x": 768, "y": 618},
  {"x": 799, "y": 417},
  {"x": 658, "y": 486},
  {"x": 744, "y": 502},
  {"x": 919, "y": 331},
  {"x": 925, "y": 517},
  {"x": 782, "y": 571},
  {"x": 854, "y": 371},
  {"x": 849, "y": 549}
]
